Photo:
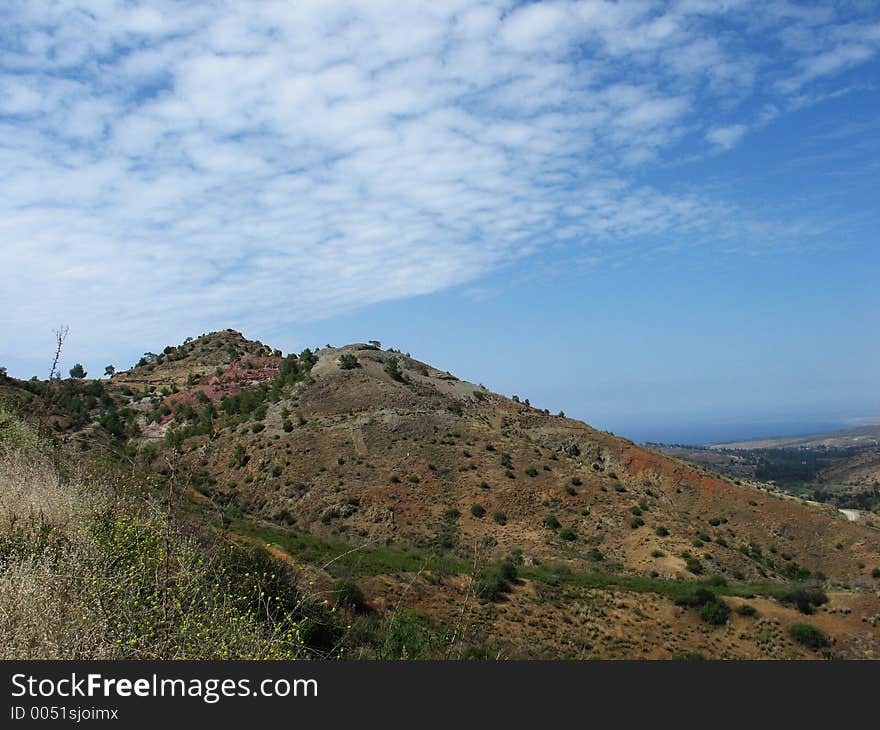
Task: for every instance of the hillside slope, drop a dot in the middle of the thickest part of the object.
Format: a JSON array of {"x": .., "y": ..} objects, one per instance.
[{"x": 418, "y": 488}]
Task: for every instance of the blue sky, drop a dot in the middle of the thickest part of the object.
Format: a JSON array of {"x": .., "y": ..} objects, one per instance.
[{"x": 660, "y": 217}]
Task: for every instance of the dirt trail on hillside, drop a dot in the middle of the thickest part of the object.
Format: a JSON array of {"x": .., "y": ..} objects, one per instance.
[{"x": 357, "y": 437}]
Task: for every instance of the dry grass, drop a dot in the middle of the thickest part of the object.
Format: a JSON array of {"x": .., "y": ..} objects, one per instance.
[
  {"x": 44, "y": 545},
  {"x": 89, "y": 575}
]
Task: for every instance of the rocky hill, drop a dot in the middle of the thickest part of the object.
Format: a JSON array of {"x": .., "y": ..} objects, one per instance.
[{"x": 506, "y": 530}]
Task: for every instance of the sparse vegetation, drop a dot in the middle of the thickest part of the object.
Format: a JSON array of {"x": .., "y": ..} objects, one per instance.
[{"x": 338, "y": 495}]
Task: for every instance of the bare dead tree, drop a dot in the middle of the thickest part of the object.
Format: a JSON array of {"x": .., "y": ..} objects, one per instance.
[
  {"x": 60, "y": 336},
  {"x": 54, "y": 376}
]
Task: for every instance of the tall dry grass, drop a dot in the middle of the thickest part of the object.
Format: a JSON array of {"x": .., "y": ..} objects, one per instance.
[
  {"x": 90, "y": 573},
  {"x": 45, "y": 610}
]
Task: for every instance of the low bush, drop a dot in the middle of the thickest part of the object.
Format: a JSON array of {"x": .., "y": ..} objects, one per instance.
[
  {"x": 715, "y": 612},
  {"x": 808, "y": 635},
  {"x": 349, "y": 595},
  {"x": 494, "y": 581},
  {"x": 348, "y": 361},
  {"x": 804, "y": 597}
]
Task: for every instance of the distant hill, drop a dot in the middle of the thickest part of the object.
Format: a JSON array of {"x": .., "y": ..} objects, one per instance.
[
  {"x": 503, "y": 529},
  {"x": 858, "y": 437}
]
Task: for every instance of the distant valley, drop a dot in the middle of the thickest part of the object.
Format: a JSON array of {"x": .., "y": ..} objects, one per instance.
[{"x": 840, "y": 467}]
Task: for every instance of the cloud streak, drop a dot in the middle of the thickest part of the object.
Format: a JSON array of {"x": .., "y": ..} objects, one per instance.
[{"x": 169, "y": 167}]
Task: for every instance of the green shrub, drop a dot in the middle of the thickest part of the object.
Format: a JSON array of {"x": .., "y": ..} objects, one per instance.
[
  {"x": 14, "y": 432},
  {"x": 500, "y": 518},
  {"x": 551, "y": 523},
  {"x": 349, "y": 595},
  {"x": 478, "y": 511},
  {"x": 808, "y": 635},
  {"x": 532, "y": 472},
  {"x": 495, "y": 580},
  {"x": 661, "y": 532},
  {"x": 348, "y": 361},
  {"x": 576, "y": 481},
  {"x": 715, "y": 612},
  {"x": 804, "y": 597},
  {"x": 636, "y": 522},
  {"x": 747, "y": 609},
  {"x": 392, "y": 367},
  {"x": 407, "y": 636},
  {"x": 696, "y": 598},
  {"x": 567, "y": 533},
  {"x": 694, "y": 566}
]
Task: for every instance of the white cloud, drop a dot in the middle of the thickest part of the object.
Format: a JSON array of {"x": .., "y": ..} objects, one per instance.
[
  {"x": 176, "y": 166},
  {"x": 726, "y": 137},
  {"x": 828, "y": 63}
]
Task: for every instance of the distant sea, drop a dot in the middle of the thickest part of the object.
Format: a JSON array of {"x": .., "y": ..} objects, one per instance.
[{"x": 702, "y": 434}]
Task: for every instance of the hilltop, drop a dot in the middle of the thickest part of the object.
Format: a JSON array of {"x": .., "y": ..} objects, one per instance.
[{"x": 504, "y": 529}]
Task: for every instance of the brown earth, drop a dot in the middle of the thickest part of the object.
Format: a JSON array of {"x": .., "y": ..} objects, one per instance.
[{"x": 446, "y": 468}]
